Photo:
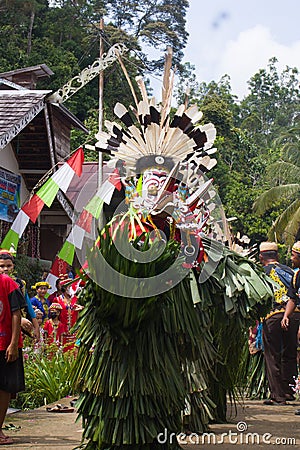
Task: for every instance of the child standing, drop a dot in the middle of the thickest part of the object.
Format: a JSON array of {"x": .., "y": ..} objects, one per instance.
[
  {"x": 7, "y": 266},
  {"x": 40, "y": 300},
  {"x": 11, "y": 361},
  {"x": 69, "y": 312},
  {"x": 53, "y": 328}
]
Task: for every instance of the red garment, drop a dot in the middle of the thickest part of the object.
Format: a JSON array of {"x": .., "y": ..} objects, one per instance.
[
  {"x": 7, "y": 286},
  {"x": 69, "y": 342},
  {"x": 54, "y": 334},
  {"x": 68, "y": 315}
]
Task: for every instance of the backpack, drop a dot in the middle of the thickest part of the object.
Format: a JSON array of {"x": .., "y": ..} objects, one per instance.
[{"x": 284, "y": 275}]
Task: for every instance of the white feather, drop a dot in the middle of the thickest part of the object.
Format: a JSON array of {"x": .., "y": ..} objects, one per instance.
[
  {"x": 151, "y": 135},
  {"x": 120, "y": 110},
  {"x": 142, "y": 87},
  {"x": 143, "y": 108},
  {"x": 193, "y": 113}
]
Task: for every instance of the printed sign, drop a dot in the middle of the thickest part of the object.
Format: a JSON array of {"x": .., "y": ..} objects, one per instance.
[{"x": 10, "y": 184}]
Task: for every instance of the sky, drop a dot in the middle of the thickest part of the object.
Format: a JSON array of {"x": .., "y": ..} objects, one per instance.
[{"x": 238, "y": 37}]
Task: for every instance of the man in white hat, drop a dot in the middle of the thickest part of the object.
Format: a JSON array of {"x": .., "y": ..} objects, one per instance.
[
  {"x": 292, "y": 310},
  {"x": 280, "y": 346}
]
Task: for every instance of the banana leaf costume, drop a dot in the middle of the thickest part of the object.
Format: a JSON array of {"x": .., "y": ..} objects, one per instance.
[{"x": 153, "y": 361}]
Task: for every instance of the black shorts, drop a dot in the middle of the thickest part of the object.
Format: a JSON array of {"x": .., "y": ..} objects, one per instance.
[{"x": 12, "y": 374}]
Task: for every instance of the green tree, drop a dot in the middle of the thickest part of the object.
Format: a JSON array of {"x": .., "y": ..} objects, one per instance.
[
  {"x": 270, "y": 106},
  {"x": 156, "y": 23},
  {"x": 244, "y": 150},
  {"x": 65, "y": 35},
  {"x": 284, "y": 187}
]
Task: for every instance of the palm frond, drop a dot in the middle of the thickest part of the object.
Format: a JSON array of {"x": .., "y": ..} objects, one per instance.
[
  {"x": 290, "y": 136},
  {"x": 286, "y": 222},
  {"x": 282, "y": 172},
  {"x": 293, "y": 226},
  {"x": 274, "y": 195},
  {"x": 291, "y": 153}
]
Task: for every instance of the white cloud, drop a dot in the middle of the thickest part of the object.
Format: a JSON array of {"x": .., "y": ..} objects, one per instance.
[{"x": 251, "y": 51}]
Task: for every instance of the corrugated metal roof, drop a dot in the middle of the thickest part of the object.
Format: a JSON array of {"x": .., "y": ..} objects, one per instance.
[
  {"x": 83, "y": 188},
  {"x": 89, "y": 175},
  {"x": 89, "y": 170}
]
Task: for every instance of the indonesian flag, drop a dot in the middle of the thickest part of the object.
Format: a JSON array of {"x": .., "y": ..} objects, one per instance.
[
  {"x": 58, "y": 267},
  {"x": 61, "y": 179},
  {"x": 84, "y": 222}
]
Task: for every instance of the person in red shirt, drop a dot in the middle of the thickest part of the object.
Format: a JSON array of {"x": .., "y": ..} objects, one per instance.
[
  {"x": 28, "y": 323},
  {"x": 52, "y": 297},
  {"x": 54, "y": 329},
  {"x": 11, "y": 361},
  {"x": 69, "y": 311}
]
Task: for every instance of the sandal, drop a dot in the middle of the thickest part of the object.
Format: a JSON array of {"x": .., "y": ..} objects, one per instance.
[
  {"x": 11, "y": 427},
  {"x": 6, "y": 440},
  {"x": 60, "y": 409}
]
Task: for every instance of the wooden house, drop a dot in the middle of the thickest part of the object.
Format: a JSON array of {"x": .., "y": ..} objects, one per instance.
[{"x": 34, "y": 137}]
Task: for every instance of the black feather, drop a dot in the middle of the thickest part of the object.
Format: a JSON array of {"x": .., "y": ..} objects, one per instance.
[
  {"x": 199, "y": 137},
  {"x": 155, "y": 115}
]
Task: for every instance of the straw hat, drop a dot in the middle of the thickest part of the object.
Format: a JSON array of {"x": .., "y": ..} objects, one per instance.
[
  {"x": 296, "y": 247},
  {"x": 268, "y": 247}
]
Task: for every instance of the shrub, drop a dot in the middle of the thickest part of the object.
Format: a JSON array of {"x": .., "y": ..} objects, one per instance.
[{"x": 46, "y": 377}]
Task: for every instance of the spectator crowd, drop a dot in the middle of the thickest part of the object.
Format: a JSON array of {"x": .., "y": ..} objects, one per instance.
[{"x": 47, "y": 318}]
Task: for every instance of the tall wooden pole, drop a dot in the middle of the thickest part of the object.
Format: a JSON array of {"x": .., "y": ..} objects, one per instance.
[
  {"x": 100, "y": 119},
  {"x": 100, "y": 116}
]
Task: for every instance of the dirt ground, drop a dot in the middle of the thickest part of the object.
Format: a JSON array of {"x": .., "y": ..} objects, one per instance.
[{"x": 256, "y": 425}]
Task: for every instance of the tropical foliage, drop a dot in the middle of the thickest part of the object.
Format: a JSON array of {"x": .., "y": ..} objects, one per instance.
[
  {"x": 28, "y": 269},
  {"x": 234, "y": 296},
  {"x": 250, "y": 136},
  {"x": 252, "y": 377},
  {"x": 47, "y": 376},
  {"x": 282, "y": 176},
  {"x": 64, "y": 34},
  {"x": 129, "y": 363}
]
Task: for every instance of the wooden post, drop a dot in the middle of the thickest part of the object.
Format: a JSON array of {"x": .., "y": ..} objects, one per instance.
[
  {"x": 100, "y": 119},
  {"x": 100, "y": 115}
]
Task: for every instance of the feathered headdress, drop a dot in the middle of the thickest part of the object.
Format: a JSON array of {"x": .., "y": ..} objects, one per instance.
[
  {"x": 151, "y": 138},
  {"x": 151, "y": 143}
]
